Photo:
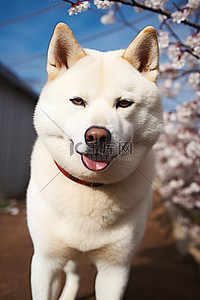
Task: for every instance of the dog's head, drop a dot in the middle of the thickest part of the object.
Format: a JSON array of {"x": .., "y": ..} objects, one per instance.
[{"x": 99, "y": 113}]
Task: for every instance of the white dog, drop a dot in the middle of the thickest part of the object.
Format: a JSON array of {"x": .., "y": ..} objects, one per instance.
[{"x": 90, "y": 190}]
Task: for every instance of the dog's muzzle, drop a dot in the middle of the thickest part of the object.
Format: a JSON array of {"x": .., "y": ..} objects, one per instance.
[{"x": 96, "y": 157}]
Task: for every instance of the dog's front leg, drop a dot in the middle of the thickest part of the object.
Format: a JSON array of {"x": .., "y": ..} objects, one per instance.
[
  {"x": 45, "y": 278},
  {"x": 111, "y": 281}
]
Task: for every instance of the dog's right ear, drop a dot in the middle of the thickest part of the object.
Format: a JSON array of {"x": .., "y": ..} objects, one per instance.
[{"x": 64, "y": 50}]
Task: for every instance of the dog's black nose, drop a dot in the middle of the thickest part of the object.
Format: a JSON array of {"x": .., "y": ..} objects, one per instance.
[{"x": 97, "y": 136}]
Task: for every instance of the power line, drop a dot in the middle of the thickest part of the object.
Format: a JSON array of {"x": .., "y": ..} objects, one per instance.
[
  {"x": 31, "y": 15},
  {"x": 91, "y": 37},
  {"x": 126, "y": 22},
  {"x": 113, "y": 30},
  {"x": 40, "y": 11},
  {"x": 30, "y": 58},
  {"x": 102, "y": 34}
]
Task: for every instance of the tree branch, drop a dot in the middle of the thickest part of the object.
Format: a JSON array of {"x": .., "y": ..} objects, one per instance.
[
  {"x": 70, "y": 2},
  {"x": 176, "y": 74},
  {"x": 154, "y": 10}
]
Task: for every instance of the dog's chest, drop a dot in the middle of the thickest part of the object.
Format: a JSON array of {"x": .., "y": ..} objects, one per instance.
[{"x": 85, "y": 223}]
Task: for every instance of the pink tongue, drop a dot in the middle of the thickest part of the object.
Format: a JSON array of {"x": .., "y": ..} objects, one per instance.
[{"x": 94, "y": 165}]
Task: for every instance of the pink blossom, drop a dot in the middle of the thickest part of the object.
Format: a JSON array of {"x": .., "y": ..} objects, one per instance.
[
  {"x": 78, "y": 8},
  {"x": 187, "y": 12},
  {"x": 174, "y": 51},
  {"x": 158, "y": 4},
  {"x": 108, "y": 18},
  {"x": 194, "y": 4},
  {"x": 163, "y": 38},
  {"x": 197, "y": 51},
  {"x": 198, "y": 94},
  {"x": 178, "y": 17},
  {"x": 103, "y": 4},
  {"x": 178, "y": 63},
  {"x": 147, "y": 3},
  {"x": 193, "y": 40},
  {"x": 194, "y": 80},
  {"x": 178, "y": 157}
]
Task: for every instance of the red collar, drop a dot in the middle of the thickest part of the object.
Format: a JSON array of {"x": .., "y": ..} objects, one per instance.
[{"x": 92, "y": 184}]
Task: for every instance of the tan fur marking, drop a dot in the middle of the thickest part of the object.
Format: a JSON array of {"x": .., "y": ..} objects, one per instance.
[
  {"x": 64, "y": 51},
  {"x": 143, "y": 53}
]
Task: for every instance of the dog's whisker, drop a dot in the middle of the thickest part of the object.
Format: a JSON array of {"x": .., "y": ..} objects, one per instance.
[
  {"x": 49, "y": 182},
  {"x": 148, "y": 180},
  {"x": 53, "y": 121}
]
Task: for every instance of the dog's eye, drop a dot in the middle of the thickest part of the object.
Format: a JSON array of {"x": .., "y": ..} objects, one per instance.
[
  {"x": 123, "y": 103},
  {"x": 78, "y": 101}
]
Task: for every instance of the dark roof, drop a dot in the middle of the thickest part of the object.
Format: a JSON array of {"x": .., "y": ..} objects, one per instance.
[{"x": 10, "y": 76}]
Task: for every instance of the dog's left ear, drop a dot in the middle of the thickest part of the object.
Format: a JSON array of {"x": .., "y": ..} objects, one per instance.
[
  {"x": 143, "y": 53},
  {"x": 64, "y": 50}
]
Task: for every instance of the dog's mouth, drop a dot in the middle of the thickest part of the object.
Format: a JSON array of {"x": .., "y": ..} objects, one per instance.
[{"x": 96, "y": 162}]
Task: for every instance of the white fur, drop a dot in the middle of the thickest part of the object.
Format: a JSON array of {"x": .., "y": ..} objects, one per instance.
[{"x": 69, "y": 222}]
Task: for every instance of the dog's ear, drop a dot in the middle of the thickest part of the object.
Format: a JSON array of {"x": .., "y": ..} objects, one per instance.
[
  {"x": 64, "y": 50},
  {"x": 143, "y": 53}
]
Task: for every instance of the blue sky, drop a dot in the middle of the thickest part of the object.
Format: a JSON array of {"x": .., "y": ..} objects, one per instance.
[{"x": 26, "y": 27}]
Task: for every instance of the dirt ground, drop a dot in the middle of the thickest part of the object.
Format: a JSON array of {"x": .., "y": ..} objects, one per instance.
[{"x": 158, "y": 271}]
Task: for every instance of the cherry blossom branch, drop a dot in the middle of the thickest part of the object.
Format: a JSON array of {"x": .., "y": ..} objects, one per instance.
[
  {"x": 154, "y": 10},
  {"x": 134, "y": 3},
  {"x": 181, "y": 44},
  {"x": 176, "y": 74},
  {"x": 177, "y": 50}
]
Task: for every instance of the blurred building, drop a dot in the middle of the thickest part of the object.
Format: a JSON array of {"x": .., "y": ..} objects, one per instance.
[{"x": 17, "y": 134}]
